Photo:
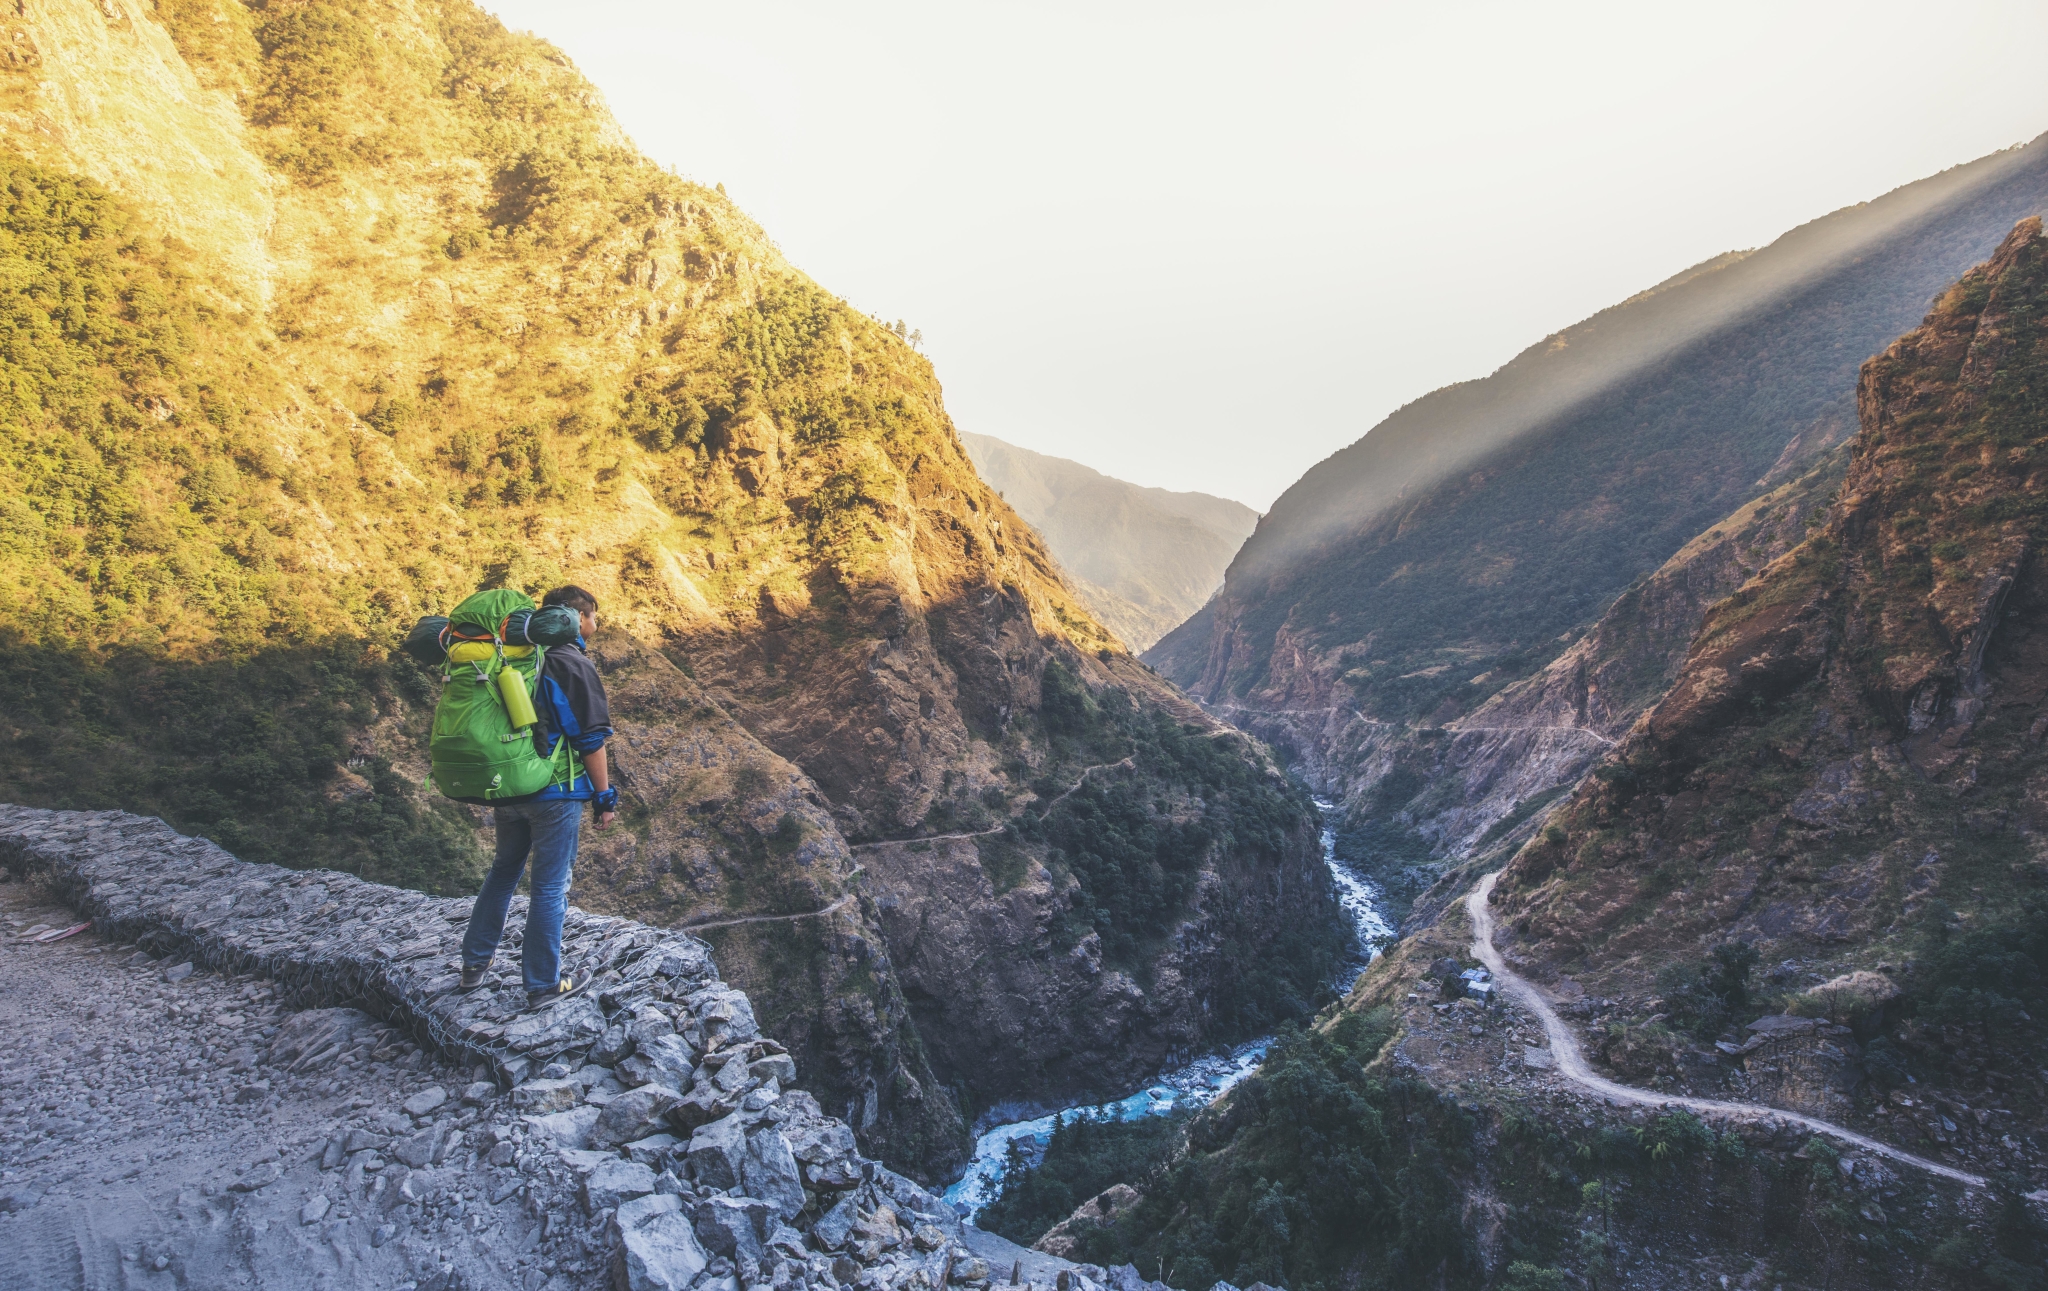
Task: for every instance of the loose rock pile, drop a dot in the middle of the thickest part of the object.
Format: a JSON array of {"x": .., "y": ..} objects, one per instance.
[{"x": 643, "y": 1133}]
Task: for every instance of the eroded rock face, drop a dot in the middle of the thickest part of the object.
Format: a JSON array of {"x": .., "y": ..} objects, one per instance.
[
  {"x": 731, "y": 831},
  {"x": 1482, "y": 781},
  {"x": 1864, "y": 709}
]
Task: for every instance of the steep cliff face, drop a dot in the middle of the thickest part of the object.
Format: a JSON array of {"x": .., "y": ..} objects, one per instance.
[
  {"x": 1473, "y": 537},
  {"x": 1144, "y": 559},
  {"x": 322, "y": 315},
  {"x": 1479, "y": 786},
  {"x": 1164, "y": 891},
  {"x": 1847, "y": 775}
]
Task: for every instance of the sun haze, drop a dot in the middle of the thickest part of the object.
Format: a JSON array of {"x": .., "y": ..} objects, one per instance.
[{"x": 1203, "y": 246}]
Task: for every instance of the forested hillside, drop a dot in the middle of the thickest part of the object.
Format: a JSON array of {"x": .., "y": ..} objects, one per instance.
[{"x": 320, "y": 315}]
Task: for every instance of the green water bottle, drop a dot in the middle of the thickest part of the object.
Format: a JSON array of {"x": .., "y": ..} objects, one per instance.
[{"x": 518, "y": 705}]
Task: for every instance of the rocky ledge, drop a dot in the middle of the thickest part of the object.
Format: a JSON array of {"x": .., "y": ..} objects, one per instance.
[{"x": 642, "y": 1134}]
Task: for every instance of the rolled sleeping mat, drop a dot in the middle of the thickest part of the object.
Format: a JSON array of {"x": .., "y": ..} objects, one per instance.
[
  {"x": 555, "y": 625},
  {"x": 478, "y": 651},
  {"x": 424, "y": 641}
]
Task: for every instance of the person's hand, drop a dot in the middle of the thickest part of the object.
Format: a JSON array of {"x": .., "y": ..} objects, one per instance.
[{"x": 605, "y": 819}]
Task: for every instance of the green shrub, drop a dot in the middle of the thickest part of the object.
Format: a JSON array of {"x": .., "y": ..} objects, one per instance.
[{"x": 1084, "y": 1157}]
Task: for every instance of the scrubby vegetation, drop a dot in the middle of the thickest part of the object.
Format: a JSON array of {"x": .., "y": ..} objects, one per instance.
[
  {"x": 1136, "y": 837},
  {"x": 1085, "y": 1156},
  {"x": 255, "y": 752},
  {"x": 1306, "y": 1166},
  {"x": 192, "y": 481}
]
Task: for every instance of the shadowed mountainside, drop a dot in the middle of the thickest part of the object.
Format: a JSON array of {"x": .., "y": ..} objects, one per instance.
[
  {"x": 1810, "y": 877},
  {"x": 1397, "y": 621}
]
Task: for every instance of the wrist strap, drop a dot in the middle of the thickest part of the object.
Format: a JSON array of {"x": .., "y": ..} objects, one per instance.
[{"x": 607, "y": 800}]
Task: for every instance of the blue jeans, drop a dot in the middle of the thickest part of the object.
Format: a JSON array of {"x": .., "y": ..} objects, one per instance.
[{"x": 548, "y": 830}]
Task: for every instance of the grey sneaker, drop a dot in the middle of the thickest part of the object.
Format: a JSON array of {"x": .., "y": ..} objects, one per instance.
[
  {"x": 474, "y": 977},
  {"x": 565, "y": 988}
]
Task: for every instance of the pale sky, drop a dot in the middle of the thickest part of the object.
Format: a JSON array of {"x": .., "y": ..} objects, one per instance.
[{"x": 1203, "y": 246}]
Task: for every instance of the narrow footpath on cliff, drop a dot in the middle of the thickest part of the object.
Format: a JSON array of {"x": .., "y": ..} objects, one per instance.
[
  {"x": 231, "y": 1074},
  {"x": 1065, "y": 794},
  {"x": 1571, "y": 1059}
]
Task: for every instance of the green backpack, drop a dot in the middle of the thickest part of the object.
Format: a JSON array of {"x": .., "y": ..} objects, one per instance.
[{"x": 479, "y": 753}]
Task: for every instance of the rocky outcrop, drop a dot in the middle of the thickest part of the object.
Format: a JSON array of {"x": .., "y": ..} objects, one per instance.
[
  {"x": 991, "y": 948},
  {"x": 734, "y": 837}
]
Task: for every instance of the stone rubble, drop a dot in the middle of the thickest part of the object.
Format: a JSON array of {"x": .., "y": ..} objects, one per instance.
[{"x": 641, "y": 1135}]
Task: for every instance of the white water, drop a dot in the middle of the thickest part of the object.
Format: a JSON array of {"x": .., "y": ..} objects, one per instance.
[{"x": 1192, "y": 1085}]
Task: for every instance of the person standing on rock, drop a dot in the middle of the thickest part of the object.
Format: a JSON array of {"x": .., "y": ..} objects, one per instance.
[{"x": 544, "y": 827}]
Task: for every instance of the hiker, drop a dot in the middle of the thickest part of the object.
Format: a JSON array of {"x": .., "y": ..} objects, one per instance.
[{"x": 570, "y": 703}]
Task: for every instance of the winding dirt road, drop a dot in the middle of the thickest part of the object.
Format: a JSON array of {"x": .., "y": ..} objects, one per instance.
[{"x": 1571, "y": 1060}]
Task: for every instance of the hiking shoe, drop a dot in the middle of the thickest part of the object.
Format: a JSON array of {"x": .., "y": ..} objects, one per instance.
[
  {"x": 474, "y": 977},
  {"x": 563, "y": 990}
]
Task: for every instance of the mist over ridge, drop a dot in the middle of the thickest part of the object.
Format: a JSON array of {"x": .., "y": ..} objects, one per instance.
[{"x": 1143, "y": 558}]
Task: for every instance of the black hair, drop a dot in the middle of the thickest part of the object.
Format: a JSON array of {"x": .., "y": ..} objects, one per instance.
[{"x": 572, "y": 596}]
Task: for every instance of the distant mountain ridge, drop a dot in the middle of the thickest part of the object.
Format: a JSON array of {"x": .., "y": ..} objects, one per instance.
[
  {"x": 1143, "y": 558},
  {"x": 1459, "y": 548}
]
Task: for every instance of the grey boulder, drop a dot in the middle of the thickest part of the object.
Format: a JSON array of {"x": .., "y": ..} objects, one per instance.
[
  {"x": 568, "y": 1129},
  {"x": 562, "y": 1026},
  {"x": 653, "y": 1151},
  {"x": 718, "y": 1152},
  {"x": 770, "y": 1172},
  {"x": 669, "y": 1060},
  {"x": 658, "y": 1248},
  {"x": 835, "y": 1227},
  {"x": 540, "y": 1097},
  {"x": 613, "y": 1182},
  {"x": 732, "y": 1226},
  {"x": 633, "y": 1115}
]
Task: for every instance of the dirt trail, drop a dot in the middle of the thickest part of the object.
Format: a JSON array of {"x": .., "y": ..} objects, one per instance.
[
  {"x": 146, "y": 1139},
  {"x": 834, "y": 908},
  {"x": 984, "y": 833},
  {"x": 1572, "y": 1065}
]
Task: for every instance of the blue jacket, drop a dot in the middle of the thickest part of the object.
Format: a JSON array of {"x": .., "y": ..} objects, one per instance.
[{"x": 571, "y": 704}]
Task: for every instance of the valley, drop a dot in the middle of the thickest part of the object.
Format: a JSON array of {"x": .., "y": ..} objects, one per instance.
[
  {"x": 1587, "y": 833},
  {"x": 421, "y": 320}
]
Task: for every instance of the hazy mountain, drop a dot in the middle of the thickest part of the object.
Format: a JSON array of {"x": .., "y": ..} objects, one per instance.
[
  {"x": 1474, "y": 536},
  {"x": 1144, "y": 559},
  {"x": 320, "y": 315}
]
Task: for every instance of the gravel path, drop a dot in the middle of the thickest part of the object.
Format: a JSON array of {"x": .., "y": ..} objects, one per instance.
[
  {"x": 834, "y": 908},
  {"x": 148, "y": 1140},
  {"x": 1572, "y": 1065}
]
